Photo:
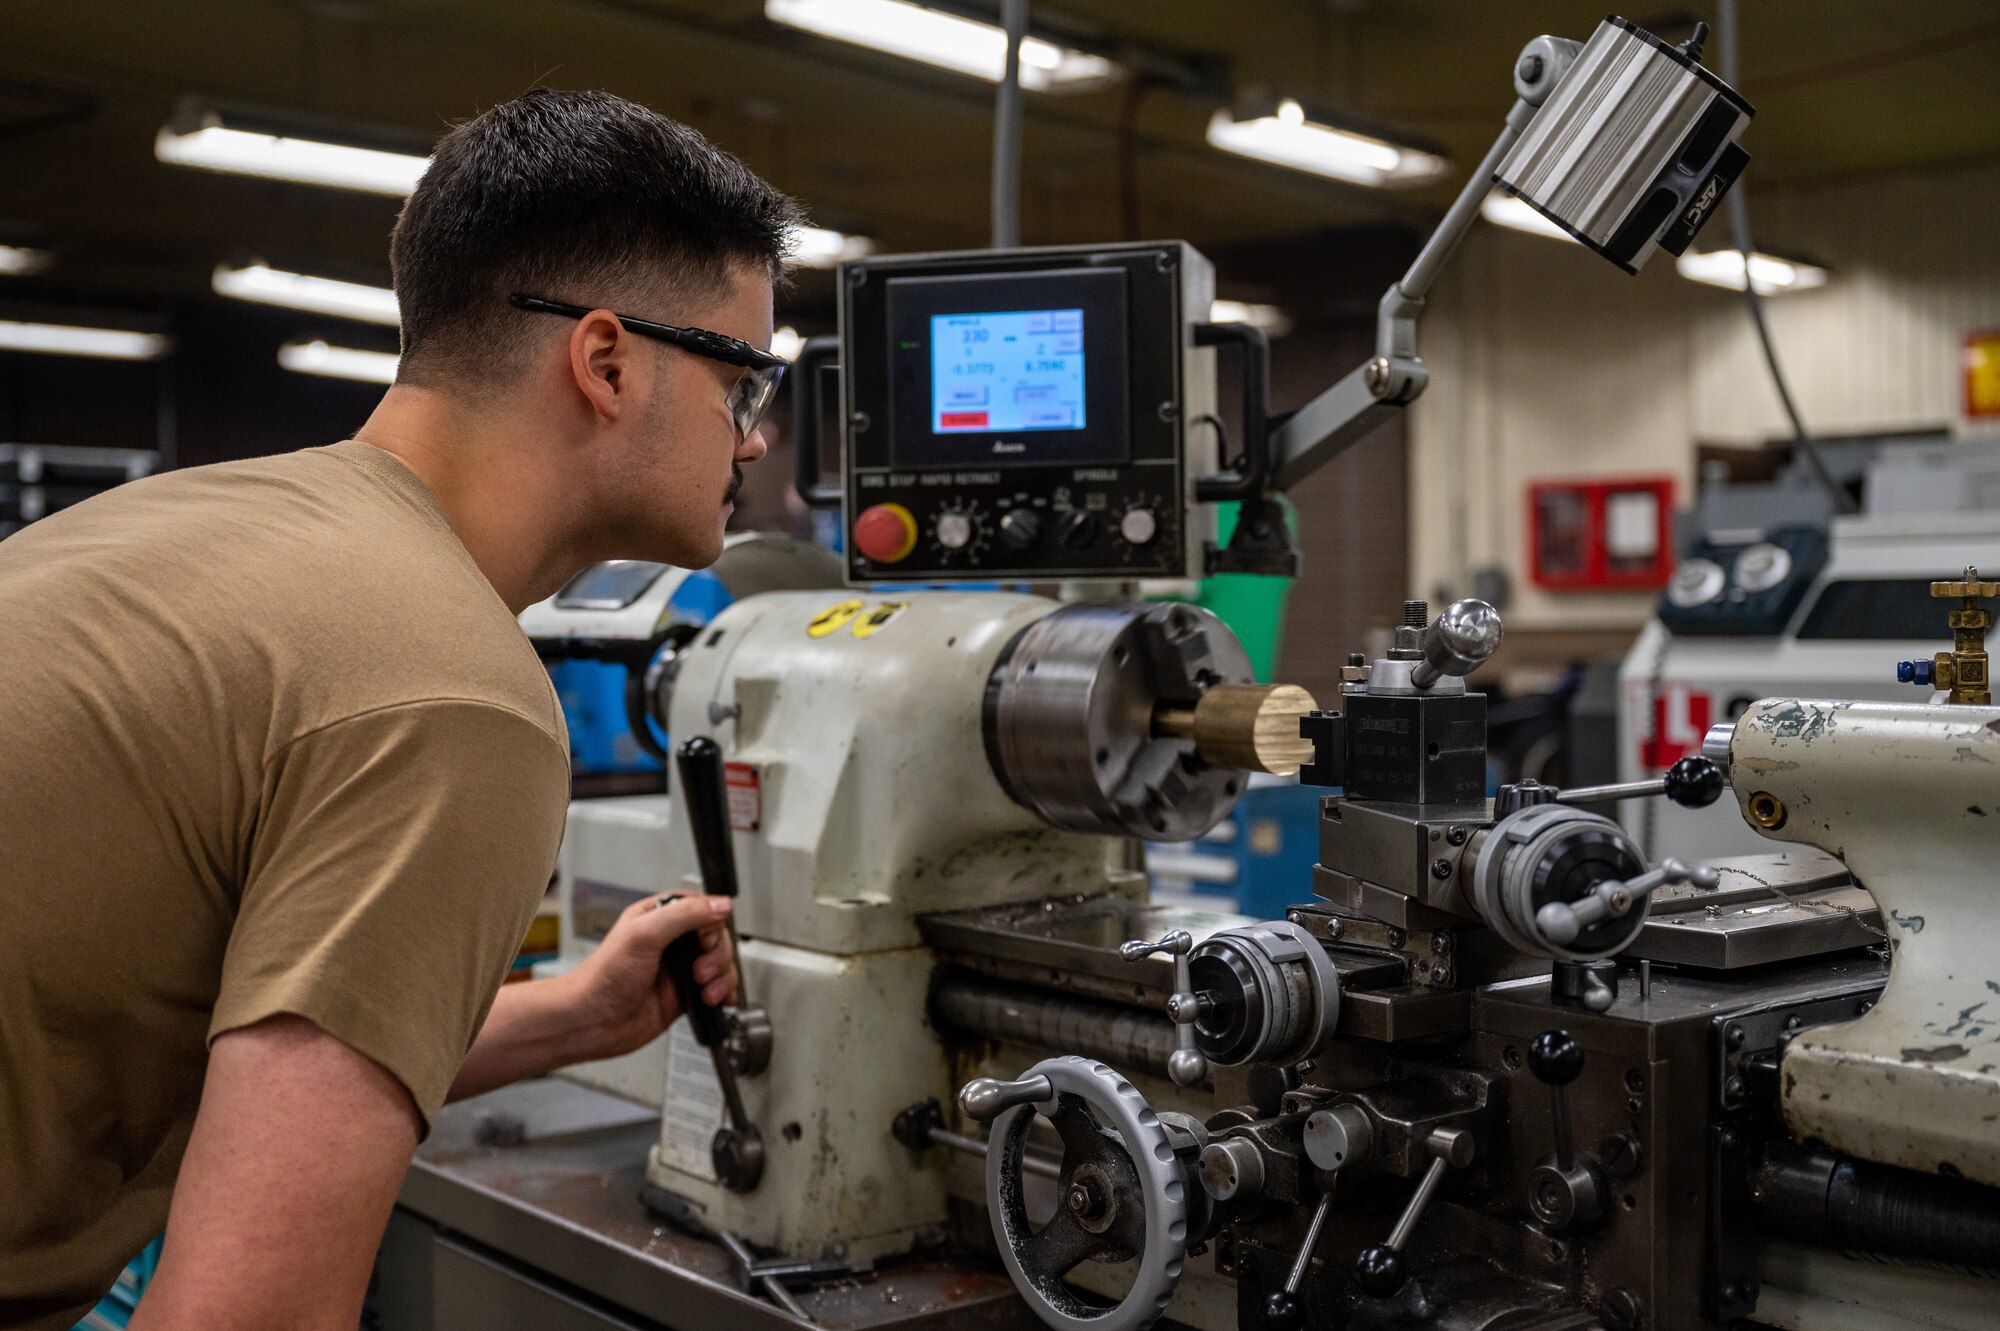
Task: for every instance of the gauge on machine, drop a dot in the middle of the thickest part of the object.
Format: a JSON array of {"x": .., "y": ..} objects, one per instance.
[
  {"x": 1697, "y": 582},
  {"x": 1762, "y": 566}
]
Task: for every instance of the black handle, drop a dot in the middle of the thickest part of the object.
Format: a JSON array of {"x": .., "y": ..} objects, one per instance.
[
  {"x": 1556, "y": 1059},
  {"x": 1379, "y": 1271},
  {"x": 1695, "y": 782},
  {"x": 818, "y": 354},
  {"x": 700, "y": 764},
  {"x": 1247, "y": 475}
]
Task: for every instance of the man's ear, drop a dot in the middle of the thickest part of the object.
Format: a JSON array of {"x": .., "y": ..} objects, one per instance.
[{"x": 600, "y": 359}]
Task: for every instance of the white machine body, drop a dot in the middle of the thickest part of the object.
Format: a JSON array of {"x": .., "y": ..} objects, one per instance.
[
  {"x": 1672, "y": 688},
  {"x": 1907, "y": 795},
  {"x": 861, "y": 797}
]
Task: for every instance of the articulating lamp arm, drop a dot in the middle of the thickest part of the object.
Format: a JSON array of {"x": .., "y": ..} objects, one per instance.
[{"x": 1395, "y": 376}]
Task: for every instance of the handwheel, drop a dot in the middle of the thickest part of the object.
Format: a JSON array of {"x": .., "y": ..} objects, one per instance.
[{"x": 1121, "y": 1195}]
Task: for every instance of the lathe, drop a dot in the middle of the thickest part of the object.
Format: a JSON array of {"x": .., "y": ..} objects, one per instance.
[{"x": 1494, "y": 1072}]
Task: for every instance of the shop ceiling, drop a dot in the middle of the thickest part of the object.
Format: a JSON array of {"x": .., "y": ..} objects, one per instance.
[{"x": 874, "y": 144}]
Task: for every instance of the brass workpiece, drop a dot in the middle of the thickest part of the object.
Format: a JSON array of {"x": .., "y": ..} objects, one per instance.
[
  {"x": 1247, "y": 727},
  {"x": 1962, "y": 670}
]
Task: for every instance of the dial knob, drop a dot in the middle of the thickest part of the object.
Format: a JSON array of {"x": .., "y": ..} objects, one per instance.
[
  {"x": 1021, "y": 528},
  {"x": 1076, "y": 529},
  {"x": 1139, "y": 525},
  {"x": 885, "y": 533},
  {"x": 954, "y": 530}
]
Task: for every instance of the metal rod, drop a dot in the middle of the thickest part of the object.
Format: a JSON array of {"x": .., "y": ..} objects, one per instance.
[
  {"x": 1312, "y": 1241},
  {"x": 1422, "y": 1198},
  {"x": 769, "y": 1284},
  {"x": 1559, "y": 1120},
  {"x": 1645, "y": 980},
  {"x": 1038, "y": 1165},
  {"x": 1007, "y": 109},
  {"x": 1430, "y": 260},
  {"x": 1619, "y": 790}
]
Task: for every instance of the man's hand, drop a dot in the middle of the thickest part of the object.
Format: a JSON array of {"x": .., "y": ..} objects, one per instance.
[
  {"x": 297, "y": 1152},
  {"x": 620, "y": 990},
  {"x": 615, "y": 1000}
]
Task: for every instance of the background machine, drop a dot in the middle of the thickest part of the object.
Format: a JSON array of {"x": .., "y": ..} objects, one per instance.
[{"x": 1497, "y": 1071}]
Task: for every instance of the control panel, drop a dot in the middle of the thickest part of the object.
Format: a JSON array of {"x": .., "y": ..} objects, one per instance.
[
  {"x": 1745, "y": 584},
  {"x": 1025, "y": 415}
]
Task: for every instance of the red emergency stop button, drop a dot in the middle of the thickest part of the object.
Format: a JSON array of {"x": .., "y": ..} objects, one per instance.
[{"x": 885, "y": 533}]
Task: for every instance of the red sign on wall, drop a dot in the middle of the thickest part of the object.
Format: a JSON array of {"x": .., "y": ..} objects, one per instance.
[{"x": 1614, "y": 535}]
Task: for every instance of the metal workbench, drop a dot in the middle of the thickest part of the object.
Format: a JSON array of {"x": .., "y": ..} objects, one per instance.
[{"x": 522, "y": 1210}]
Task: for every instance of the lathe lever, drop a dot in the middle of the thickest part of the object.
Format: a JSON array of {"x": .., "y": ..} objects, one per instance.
[
  {"x": 737, "y": 1150},
  {"x": 1566, "y": 1194},
  {"x": 1379, "y": 1269},
  {"x": 1282, "y": 1309},
  {"x": 1186, "y": 1065},
  {"x": 1562, "y": 921}
]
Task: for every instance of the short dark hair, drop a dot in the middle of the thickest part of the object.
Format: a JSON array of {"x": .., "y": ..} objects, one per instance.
[{"x": 578, "y": 196}]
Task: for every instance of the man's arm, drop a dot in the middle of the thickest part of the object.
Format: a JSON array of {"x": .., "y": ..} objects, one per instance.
[
  {"x": 613, "y": 1002},
  {"x": 297, "y": 1152}
]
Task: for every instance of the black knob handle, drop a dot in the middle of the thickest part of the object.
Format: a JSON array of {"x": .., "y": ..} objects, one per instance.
[
  {"x": 1379, "y": 1271},
  {"x": 1695, "y": 782},
  {"x": 1283, "y": 1311},
  {"x": 699, "y": 762},
  {"x": 1076, "y": 530},
  {"x": 700, "y": 765},
  {"x": 1555, "y": 1058},
  {"x": 1021, "y": 528}
]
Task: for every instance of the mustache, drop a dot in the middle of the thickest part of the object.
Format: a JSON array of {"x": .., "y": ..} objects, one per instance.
[{"x": 735, "y": 484}]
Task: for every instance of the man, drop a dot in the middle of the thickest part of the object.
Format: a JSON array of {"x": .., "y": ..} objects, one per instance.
[{"x": 282, "y": 781}]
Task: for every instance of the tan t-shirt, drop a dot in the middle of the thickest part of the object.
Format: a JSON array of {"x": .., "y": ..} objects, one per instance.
[{"x": 269, "y": 743}]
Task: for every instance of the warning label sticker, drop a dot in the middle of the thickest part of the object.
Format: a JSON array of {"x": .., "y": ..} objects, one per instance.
[
  {"x": 832, "y": 619},
  {"x": 873, "y": 622},
  {"x": 692, "y": 1108},
  {"x": 746, "y": 796}
]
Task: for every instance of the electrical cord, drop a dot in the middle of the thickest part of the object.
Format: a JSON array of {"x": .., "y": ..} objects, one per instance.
[{"x": 1739, "y": 226}]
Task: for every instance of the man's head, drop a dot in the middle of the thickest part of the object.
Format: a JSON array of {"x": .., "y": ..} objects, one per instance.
[{"x": 588, "y": 200}]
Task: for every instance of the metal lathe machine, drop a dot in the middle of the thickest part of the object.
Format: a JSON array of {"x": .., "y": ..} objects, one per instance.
[{"x": 1494, "y": 1072}]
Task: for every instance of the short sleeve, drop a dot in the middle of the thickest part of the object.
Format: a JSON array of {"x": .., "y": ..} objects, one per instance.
[{"x": 397, "y": 861}]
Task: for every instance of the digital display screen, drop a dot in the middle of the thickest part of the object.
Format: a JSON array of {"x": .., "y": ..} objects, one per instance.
[{"x": 1007, "y": 371}]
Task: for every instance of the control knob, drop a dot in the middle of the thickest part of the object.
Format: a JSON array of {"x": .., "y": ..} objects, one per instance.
[
  {"x": 1139, "y": 526},
  {"x": 955, "y": 529},
  {"x": 1076, "y": 529},
  {"x": 1021, "y": 528}
]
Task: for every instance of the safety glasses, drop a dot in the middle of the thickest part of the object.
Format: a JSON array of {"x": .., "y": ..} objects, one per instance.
[{"x": 748, "y": 400}]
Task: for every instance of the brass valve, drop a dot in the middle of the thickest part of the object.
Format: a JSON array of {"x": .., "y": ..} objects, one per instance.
[{"x": 1962, "y": 670}]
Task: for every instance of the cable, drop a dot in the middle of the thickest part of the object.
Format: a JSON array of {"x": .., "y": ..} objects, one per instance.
[{"x": 1739, "y": 226}]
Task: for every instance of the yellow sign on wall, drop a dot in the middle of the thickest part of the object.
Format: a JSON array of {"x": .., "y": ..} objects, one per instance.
[{"x": 1982, "y": 375}]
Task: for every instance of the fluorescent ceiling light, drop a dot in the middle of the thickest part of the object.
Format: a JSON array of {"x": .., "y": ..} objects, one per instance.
[
  {"x": 817, "y": 247},
  {"x": 786, "y": 342},
  {"x": 1287, "y": 138},
  {"x": 296, "y": 291},
  {"x": 72, "y": 340},
  {"x": 1274, "y": 321},
  {"x": 212, "y": 146},
  {"x": 1772, "y": 275},
  {"x": 963, "y": 45},
  {"x": 323, "y": 358},
  {"x": 16, "y": 261},
  {"x": 1503, "y": 209}
]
